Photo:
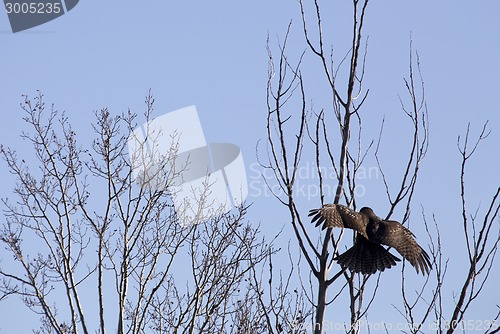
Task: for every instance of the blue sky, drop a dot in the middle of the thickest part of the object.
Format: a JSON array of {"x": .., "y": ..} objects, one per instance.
[{"x": 212, "y": 54}]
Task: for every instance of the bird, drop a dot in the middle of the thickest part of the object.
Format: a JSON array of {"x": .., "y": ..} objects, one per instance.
[{"x": 367, "y": 255}]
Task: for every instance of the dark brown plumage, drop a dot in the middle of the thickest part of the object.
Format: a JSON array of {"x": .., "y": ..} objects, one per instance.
[{"x": 367, "y": 255}]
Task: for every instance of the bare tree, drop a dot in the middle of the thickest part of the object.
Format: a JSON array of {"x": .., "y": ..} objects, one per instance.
[
  {"x": 335, "y": 136},
  {"x": 127, "y": 251},
  {"x": 83, "y": 231},
  {"x": 344, "y": 113},
  {"x": 482, "y": 236}
]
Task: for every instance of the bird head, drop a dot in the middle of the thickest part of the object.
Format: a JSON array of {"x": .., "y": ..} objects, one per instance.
[{"x": 368, "y": 212}]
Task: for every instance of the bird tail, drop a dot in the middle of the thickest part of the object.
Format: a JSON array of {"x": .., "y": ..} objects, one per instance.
[{"x": 366, "y": 257}]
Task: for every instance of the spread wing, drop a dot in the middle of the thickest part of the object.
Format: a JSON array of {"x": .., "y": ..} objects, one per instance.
[
  {"x": 402, "y": 239},
  {"x": 336, "y": 215}
]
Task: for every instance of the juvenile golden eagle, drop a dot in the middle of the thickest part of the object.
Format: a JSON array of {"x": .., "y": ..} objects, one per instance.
[{"x": 367, "y": 255}]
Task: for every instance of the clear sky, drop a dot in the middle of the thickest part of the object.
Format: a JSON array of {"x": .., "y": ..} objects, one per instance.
[{"x": 212, "y": 54}]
